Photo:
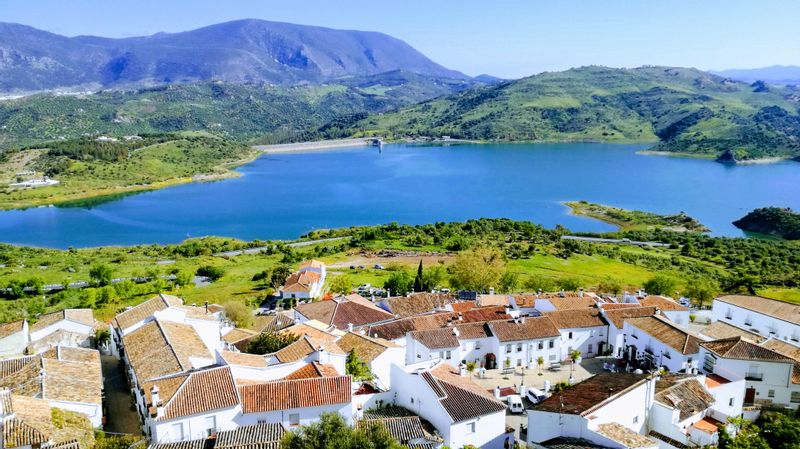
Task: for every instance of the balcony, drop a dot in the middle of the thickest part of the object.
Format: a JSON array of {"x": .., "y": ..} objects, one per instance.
[{"x": 758, "y": 377}]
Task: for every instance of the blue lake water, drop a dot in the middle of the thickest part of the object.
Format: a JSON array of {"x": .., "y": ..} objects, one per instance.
[{"x": 283, "y": 196}]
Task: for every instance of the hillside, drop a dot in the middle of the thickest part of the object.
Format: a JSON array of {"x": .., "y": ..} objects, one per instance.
[
  {"x": 241, "y": 51},
  {"x": 778, "y": 74},
  {"x": 272, "y": 113},
  {"x": 684, "y": 110},
  {"x": 774, "y": 221}
]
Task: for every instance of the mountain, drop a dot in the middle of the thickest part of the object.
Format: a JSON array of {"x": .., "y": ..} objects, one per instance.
[
  {"x": 242, "y": 51},
  {"x": 682, "y": 110},
  {"x": 777, "y": 74},
  {"x": 236, "y": 111}
]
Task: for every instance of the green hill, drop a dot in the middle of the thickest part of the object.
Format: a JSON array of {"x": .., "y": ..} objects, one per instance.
[
  {"x": 235, "y": 111},
  {"x": 683, "y": 110},
  {"x": 775, "y": 221}
]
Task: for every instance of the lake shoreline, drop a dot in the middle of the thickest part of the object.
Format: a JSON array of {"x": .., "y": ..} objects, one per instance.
[
  {"x": 709, "y": 157},
  {"x": 313, "y": 146}
]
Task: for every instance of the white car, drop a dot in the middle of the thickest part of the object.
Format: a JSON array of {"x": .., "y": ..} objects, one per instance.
[
  {"x": 535, "y": 395},
  {"x": 515, "y": 403}
]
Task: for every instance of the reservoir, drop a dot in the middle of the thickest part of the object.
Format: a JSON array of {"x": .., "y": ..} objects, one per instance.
[{"x": 281, "y": 196}]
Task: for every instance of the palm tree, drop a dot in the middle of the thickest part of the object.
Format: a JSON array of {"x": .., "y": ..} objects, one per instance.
[
  {"x": 540, "y": 363},
  {"x": 470, "y": 367}
]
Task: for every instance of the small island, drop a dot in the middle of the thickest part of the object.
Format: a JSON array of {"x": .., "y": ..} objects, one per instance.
[
  {"x": 635, "y": 219},
  {"x": 773, "y": 221}
]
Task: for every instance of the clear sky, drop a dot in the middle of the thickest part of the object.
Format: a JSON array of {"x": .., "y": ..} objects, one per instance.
[{"x": 507, "y": 38}]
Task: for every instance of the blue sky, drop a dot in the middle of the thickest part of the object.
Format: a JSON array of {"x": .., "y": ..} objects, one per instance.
[{"x": 505, "y": 38}]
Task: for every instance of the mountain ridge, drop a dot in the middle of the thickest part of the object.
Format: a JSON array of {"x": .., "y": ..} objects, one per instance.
[{"x": 241, "y": 51}]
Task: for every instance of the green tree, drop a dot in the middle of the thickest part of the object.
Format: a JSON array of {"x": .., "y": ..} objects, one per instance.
[
  {"x": 433, "y": 277},
  {"x": 15, "y": 289},
  {"x": 540, "y": 363},
  {"x": 357, "y": 367},
  {"x": 508, "y": 282},
  {"x": 239, "y": 313},
  {"x": 341, "y": 284},
  {"x": 419, "y": 283},
  {"x": 535, "y": 283},
  {"x": 747, "y": 436},
  {"x": 184, "y": 278},
  {"x": 100, "y": 274},
  {"x": 34, "y": 285},
  {"x": 332, "y": 432},
  {"x": 781, "y": 430},
  {"x": 399, "y": 283},
  {"x": 610, "y": 285},
  {"x": 210, "y": 271},
  {"x": 269, "y": 342},
  {"x": 702, "y": 290},
  {"x": 659, "y": 285},
  {"x": 262, "y": 276},
  {"x": 279, "y": 275},
  {"x": 477, "y": 269},
  {"x": 569, "y": 284}
]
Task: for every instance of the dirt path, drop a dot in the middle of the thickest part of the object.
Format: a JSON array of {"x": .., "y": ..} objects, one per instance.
[{"x": 369, "y": 260}]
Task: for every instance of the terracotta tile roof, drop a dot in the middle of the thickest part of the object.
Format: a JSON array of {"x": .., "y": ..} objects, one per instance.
[
  {"x": 529, "y": 328},
  {"x": 571, "y": 302},
  {"x": 418, "y": 303},
  {"x": 576, "y": 318},
  {"x": 301, "y": 282},
  {"x": 489, "y": 313},
  {"x": 341, "y": 313},
  {"x": 396, "y": 329},
  {"x": 470, "y": 331},
  {"x": 312, "y": 370},
  {"x": 167, "y": 387},
  {"x": 688, "y": 396},
  {"x": 665, "y": 304},
  {"x": 668, "y": 333},
  {"x": 81, "y": 316},
  {"x": 306, "y": 329},
  {"x": 772, "y": 307},
  {"x": 719, "y": 330},
  {"x": 258, "y": 436},
  {"x": 272, "y": 323},
  {"x": 199, "y": 312},
  {"x": 73, "y": 381},
  {"x": 188, "y": 444},
  {"x": 788, "y": 350},
  {"x": 459, "y": 400},
  {"x": 708, "y": 425},
  {"x": 313, "y": 263},
  {"x": 618, "y": 316},
  {"x": 32, "y": 423},
  {"x": 17, "y": 433},
  {"x": 493, "y": 300},
  {"x": 144, "y": 310},
  {"x": 525, "y": 300},
  {"x": 585, "y": 396},
  {"x": 402, "y": 428},
  {"x": 75, "y": 354},
  {"x": 22, "y": 375},
  {"x": 160, "y": 348},
  {"x": 739, "y": 348},
  {"x": 441, "y": 338},
  {"x": 8, "y": 329},
  {"x": 291, "y": 394},
  {"x": 463, "y": 306},
  {"x": 199, "y": 392},
  {"x": 244, "y": 359},
  {"x": 615, "y": 305},
  {"x": 238, "y": 334},
  {"x": 306, "y": 346},
  {"x": 715, "y": 380},
  {"x": 367, "y": 348},
  {"x": 624, "y": 436}
]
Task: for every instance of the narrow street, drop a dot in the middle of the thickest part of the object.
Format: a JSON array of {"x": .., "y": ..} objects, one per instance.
[{"x": 120, "y": 414}]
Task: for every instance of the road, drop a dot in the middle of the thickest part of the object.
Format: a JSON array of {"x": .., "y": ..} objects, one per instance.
[
  {"x": 120, "y": 414},
  {"x": 622, "y": 241},
  {"x": 257, "y": 250}
]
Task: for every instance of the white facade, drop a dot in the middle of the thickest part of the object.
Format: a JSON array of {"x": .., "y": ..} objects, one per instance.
[
  {"x": 294, "y": 417},
  {"x": 646, "y": 346},
  {"x": 759, "y": 323},
  {"x": 192, "y": 427},
  {"x": 381, "y": 366},
  {"x": 67, "y": 326},
  {"x": 588, "y": 340},
  {"x": 92, "y": 411},
  {"x": 14, "y": 344}
]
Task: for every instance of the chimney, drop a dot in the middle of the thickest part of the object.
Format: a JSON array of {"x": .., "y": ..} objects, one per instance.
[
  {"x": 206, "y": 306},
  {"x": 580, "y": 293},
  {"x": 491, "y": 290},
  {"x": 522, "y": 320},
  {"x": 462, "y": 370},
  {"x": 497, "y": 392},
  {"x": 349, "y": 327},
  {"x": 156, "y": 400},
  {"x": 460, "y": 316},
  {"x": 455, "y": 332}
]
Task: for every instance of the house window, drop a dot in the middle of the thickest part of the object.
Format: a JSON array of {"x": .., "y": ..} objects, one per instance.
[
  {"x": 729, "y": 314},
  {"x": 636, "y": 419},
  {"x": 730, "y": 402},
  {"x": 552, "y": 358},
  {"x": 552, "y": 344},
  {"x": 570, "y": 335},
  {"x": 448, "y": 355},
  {"x": 519, "y": 347},
  {"x": 477, "y": 345},
  {"x": 667, "y": 356},
  {"x": 294, "y": 419},
  {"x": 211, "y": 425},
  {"x": 795, "y": 397},
  {"x": 508, "y": 348},
  {"x": 176, "y": 431},
  {"x": 519, "y": 362},
  {"x": 471, "y": 427},
  {"x": 541, "y": 345},
  {"x": 771, "y": 393},
  {"x": 590, "y": 349},
  {"x": 261, "y": 421},
  {"x": 463, "y": 346}
]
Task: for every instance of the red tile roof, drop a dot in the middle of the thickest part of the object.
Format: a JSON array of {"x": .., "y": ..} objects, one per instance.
[
  {"x": 459, "y": 400},
  {"x": 576, "y": 318},
  {"x": 528, "y": 328},
  {"x": 202, "y": 391},
  {"x": 291, "y": 394}
]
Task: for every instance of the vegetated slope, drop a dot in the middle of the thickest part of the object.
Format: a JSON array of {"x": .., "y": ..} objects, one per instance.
[
  {"x": 247, "y": 50},
  {"x": 776, "y": 221},
  {"x": 273, "y": 113},
  {"x": 685, "y": 110}
]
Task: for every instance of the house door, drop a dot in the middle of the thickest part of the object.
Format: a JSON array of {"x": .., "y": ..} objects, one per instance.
[{"x": 750, "y": 395}]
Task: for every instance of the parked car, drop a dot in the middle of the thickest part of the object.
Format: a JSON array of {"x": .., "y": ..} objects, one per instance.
[
  {"x": 515, "y": 403},
  {"x": 378, "y": 266},
  {"x": 556, "y": 366},
  {"x": 535, "y": 395},
  {"x": 685, "y": 302}
]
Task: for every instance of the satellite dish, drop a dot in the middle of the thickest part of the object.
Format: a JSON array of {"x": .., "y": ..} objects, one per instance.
[{"x": 638, "y": 371}]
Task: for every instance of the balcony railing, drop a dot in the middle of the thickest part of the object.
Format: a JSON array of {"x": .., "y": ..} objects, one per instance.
[{"x": 754, "y": 376}]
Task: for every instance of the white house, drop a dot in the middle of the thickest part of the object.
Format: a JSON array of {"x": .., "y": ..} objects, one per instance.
[
  {"x": 343, "y": 312},
  {"x": 377, "y": 353},
  {"x": 259, "y": 436},
  {"x": 70, "y": 327},
  {"x": 459, "y": 409},
  {"x": 294, "y": 403},
  {"x": 582, "y": 330},
  {"x": 608, "y": 409},
  {"x": 615, "y": 315},
  {"x": 763, "y": 316},
  {"x": 135, "y": 317},
  {"x": 676, "y": 313},
  {"x": 190, "y": 406},
  {"x": 658, "y": 342},
  {"x": 306, "y": 282},
  {"x": 771, "y": 377},
  {"x": 13, "y": 338}
]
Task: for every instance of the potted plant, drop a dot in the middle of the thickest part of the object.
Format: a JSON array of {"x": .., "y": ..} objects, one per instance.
[
  {"x": 575, "y": 356},
  {"x": 540, "y": 363}
]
